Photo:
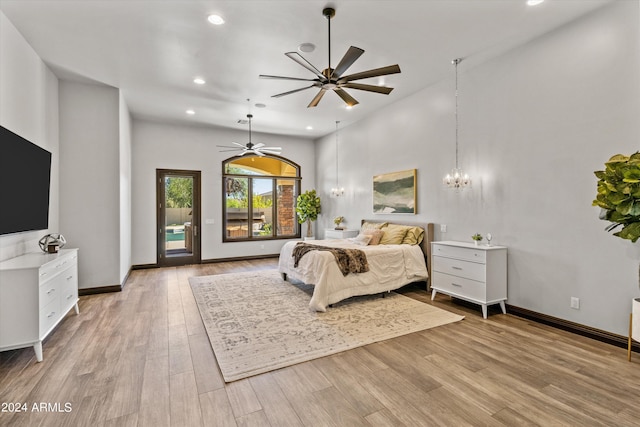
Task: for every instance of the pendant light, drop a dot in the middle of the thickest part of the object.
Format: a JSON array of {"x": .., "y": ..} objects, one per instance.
[
  {"x": 337, "y": 191},
  {"x": 457, "y": 179}
]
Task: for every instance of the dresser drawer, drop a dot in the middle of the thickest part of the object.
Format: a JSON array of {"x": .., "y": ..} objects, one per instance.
[
  {"x": 453, "y": 285},
  {"x": 49, "y": 316},
  {"x": 49, "y": 292},
  {"x": 55, "y": 286},
  {"x": 460, "y": 268},
  {"x": 51, "y": 269},
  {"x": 469, "y": 254}
]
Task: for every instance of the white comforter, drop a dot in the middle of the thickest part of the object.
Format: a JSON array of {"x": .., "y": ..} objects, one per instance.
[{"x": 390, "y": 267}]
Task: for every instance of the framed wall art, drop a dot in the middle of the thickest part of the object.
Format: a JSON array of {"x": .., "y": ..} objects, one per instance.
[{"x": 395, "y": 192}]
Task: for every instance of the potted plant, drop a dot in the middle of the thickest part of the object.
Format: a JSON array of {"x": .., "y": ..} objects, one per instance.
[
  {"x": 337, "y": 221},
  {"x": 477, "y": 238},
  {"x": 307, "y": 209},
  {"x": 619, "y": 195},
  {"x": 619, "y": 200}
]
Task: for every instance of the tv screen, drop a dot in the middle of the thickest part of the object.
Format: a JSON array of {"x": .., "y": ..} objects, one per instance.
[{"x": 25, "y": 174}]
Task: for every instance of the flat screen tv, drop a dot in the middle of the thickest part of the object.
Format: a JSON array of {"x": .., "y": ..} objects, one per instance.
[{"x": 25, "y": 175}]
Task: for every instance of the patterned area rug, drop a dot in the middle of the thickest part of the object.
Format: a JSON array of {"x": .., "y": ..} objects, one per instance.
[{"x": 258, "y": 322}]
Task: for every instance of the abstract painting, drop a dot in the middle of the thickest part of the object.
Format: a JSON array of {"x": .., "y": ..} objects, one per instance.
[{"x": 395, "y": 192}]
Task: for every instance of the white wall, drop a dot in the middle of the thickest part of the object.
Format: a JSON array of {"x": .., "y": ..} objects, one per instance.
[
  {"x": 534, "y": 125},
  {"x": 166, "y": 146},
  {"x": 28, "y": 107},
  {"x": 125, "y": 187},
  {"x": 90, "y": 180}
]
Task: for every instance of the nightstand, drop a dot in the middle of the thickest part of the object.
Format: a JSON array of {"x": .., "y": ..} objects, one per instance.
[
  {"x": 473, "y": 273},
  {"x": 331, "y": 233}
]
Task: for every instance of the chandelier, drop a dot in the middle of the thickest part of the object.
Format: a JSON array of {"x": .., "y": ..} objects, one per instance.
[
  {"x": 456, "y": 179},
  {"x": 337, "y": 191}
]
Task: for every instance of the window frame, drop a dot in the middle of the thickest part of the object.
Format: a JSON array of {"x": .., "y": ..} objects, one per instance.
[{"x": 274, "y": 178}]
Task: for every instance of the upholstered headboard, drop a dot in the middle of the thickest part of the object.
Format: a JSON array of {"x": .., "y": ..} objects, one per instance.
[{"x": 426, "y": 241}]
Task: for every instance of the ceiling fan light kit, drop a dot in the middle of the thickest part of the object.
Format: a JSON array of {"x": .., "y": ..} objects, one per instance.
[
  {"x": 332, "y": 79},
  {"x": 250, "y": 148}
]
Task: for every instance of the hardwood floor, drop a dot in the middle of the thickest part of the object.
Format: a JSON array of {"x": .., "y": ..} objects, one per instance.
[{"x": 141, "y": 357}]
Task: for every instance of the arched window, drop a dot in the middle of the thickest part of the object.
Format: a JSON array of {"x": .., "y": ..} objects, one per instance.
[{"x": 259, "y": 195}]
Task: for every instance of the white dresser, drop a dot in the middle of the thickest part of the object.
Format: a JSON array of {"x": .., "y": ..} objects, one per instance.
[
  {"x": 473, "y": 273},
  {"x": 331, "y": 233},
  {"x": 36, "y": 292}
]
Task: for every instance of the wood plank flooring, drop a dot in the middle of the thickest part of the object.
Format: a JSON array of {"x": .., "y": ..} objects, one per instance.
[{"x": 141, "y": 357}]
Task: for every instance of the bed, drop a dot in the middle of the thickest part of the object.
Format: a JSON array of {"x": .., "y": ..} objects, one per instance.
[{"x": 390, "y": 266}]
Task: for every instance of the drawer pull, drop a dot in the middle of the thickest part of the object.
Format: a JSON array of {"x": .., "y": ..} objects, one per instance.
[
  {"x": 455, "y": 284},
  {"x": 44, "y": 273},
  {"x": 53, "y": 313},
  {"x": 457, "y": 268},
  {"x": 70, "y": 296},
  {"x": 51, "y": 291},
  {"x": 69, "y": 277}
]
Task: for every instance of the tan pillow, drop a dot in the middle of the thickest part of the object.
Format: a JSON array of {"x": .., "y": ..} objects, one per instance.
[
  {"x": 376, "y": 235},
  {"x": 372, "y": 225},
  {"x": 394, "y": 234},
  {"x": 414, "y": 236}
]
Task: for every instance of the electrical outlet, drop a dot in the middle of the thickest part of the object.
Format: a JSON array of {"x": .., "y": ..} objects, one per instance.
[
  {"x": 575, "y": 303},
  {"x": 443, "y": 228}
]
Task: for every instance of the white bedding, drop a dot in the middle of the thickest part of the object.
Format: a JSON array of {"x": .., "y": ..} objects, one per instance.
[{"x": 390, "y": 267}]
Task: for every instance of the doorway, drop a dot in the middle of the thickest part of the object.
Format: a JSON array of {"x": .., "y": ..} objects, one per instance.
[{"x": 178, "y": 217}]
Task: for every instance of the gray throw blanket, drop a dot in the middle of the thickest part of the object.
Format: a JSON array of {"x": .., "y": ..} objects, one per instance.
[{"x": 348, "y": 260}]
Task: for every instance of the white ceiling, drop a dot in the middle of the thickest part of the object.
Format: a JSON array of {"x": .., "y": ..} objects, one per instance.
[{"x": 153, "y": 49}]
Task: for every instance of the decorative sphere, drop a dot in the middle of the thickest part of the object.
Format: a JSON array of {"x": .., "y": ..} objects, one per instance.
[{"x": 51, "y": 239}]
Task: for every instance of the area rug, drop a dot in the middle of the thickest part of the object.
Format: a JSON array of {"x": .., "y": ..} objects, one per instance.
[{"x": 258, "y": 322}]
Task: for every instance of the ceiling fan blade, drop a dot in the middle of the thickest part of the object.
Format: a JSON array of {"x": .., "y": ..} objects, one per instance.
[
  {"x": 347, "y": 60},
  {"x": 306, "y": 64},
  {"x": 371, "y": 88},
  {"x": 350, "y": 100},
  {"x": 224, "y": 151},
  {"x": 258, "y": 145},
  {"x": 266, "y": 76},
  {"x": 314, "y": 102},
  {"x": 258, "y": 153},
  {"x": 270, "y": 152},
  {"x": 383, "y": 71},
  {"x": 270, "y": 148},
  {"x": 291, "y": 91}
]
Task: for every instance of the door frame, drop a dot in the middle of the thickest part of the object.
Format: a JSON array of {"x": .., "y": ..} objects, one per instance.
[{"x": 162, "y": 260}]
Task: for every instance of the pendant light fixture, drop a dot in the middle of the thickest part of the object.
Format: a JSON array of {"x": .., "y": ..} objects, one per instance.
[
  {"x": 337, "y": 191},
  {"x": 457, "y": 179}
]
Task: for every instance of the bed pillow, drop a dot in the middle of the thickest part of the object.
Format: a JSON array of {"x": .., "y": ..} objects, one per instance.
[
  {"x": 372, "y": 225},
  {"x": 375, "y": 234},
  {"x": 394, "y": 234},
  {"x": 414, "y": 236},
  {"x": 361, "y": 239}
]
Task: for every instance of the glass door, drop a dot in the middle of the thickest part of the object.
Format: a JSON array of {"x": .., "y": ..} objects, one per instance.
[{"x": 178, "y": 225}]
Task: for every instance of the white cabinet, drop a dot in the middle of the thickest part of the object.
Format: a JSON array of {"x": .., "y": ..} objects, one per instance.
[
  {"x": 473, "y": 273},
  {"x": 36, "y": 292},
  {"x": 331, "y": 233}
]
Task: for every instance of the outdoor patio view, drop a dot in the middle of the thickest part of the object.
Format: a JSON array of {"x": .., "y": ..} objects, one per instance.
[{"x": 251, "y": 211}]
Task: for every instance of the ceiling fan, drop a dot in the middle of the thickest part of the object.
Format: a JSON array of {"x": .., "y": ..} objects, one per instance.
[
  {"x": 250, "y": 148},
  {"x": 332, "y": 78}
]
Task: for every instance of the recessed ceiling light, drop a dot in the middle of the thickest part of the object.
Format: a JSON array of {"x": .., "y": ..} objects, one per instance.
[
  {"x": 199, "y": 81},
  {"x": 307, "y": 47},
  {"x": 349, "y": 107},
  {"x": 534, "y": 2},
  {"x": 190, "y": 112},
  {"x": 215, "y": 19},
  {"x": 260, "y": 105},
  {"x": 309, "y": 127}
]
